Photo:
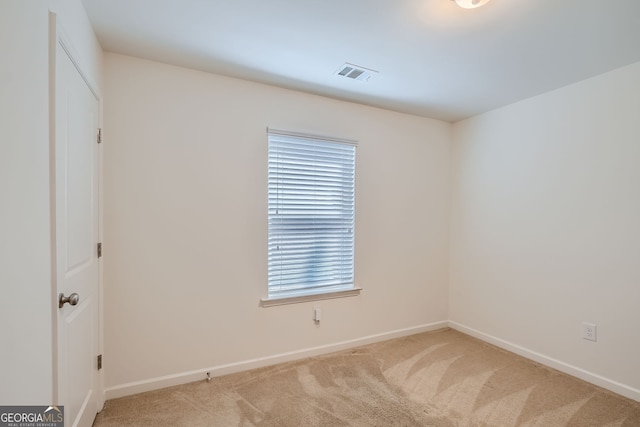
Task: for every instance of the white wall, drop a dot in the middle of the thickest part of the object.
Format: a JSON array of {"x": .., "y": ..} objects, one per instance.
[
  {"x": 27, "y": 305},
  {"x": 545, "y": 226},
  {"x": 186, "y": 230},
  {"x": 25, "y": 275}
]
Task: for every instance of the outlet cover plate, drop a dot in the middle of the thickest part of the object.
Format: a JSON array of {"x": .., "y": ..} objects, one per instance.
[{"x": 589, "y": 331}]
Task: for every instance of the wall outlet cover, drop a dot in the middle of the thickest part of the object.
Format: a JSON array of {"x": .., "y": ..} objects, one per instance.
[{"x": 589, "y": 331}]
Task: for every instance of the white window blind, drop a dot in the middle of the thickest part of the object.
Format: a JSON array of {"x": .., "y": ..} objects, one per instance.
[{"x": 311, "y": 215}]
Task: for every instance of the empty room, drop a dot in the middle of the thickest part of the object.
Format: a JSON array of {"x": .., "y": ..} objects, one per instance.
[{"x": 320, "y": 213}]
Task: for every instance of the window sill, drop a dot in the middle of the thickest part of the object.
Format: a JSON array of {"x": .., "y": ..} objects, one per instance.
[{"x": 272, "y": 302}]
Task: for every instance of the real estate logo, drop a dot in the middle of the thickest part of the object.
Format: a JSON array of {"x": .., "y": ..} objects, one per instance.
[{"x": 31, "y": 416}]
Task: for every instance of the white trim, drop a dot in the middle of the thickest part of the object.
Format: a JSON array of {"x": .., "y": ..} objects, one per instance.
[
  {"x": 200, "y": 374},
  {"x": 271, "y": 131},
  {"x": 272, "y": 302},
  {"x": 230, "y": 368},
  {"x": 590, "y": 377}
]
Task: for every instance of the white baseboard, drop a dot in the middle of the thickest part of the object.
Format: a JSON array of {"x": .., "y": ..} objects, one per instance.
[
  {"x": 230, "y": 368},
  {"x": 614, "y": 386}
]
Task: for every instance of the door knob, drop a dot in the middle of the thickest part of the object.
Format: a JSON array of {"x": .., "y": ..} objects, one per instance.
[{"x": 72, "y": 299}]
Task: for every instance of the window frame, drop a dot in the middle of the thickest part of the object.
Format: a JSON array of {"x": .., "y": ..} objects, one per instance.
[{"x": 328, "y": 291}]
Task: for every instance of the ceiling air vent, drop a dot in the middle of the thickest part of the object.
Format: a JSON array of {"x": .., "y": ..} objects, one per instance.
[{"x": 355, "y": 72}]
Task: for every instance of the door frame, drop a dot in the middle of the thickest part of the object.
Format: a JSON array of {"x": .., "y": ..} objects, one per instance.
[{"x": 58, "y": 36}]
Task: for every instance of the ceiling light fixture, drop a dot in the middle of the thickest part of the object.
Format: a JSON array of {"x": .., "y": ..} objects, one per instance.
[{"x": 471, "y": 4}]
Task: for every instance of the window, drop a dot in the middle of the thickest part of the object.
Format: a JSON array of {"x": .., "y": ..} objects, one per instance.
[{"x": 311, "y": 217}]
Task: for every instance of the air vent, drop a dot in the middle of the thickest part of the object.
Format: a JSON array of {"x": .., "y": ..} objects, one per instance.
[{"x": 355, "y": 72}]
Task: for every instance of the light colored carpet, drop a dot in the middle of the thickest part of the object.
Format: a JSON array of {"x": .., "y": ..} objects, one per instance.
[{"x": 441, "y": 378}]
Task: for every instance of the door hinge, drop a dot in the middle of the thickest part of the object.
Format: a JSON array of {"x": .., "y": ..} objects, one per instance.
[
  {"x": 99, "y": 362},
  {"x": 99, "y": 135},
  {"x": 100, "y": 250}
]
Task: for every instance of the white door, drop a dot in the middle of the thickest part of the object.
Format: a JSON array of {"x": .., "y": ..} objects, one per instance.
[{"x": 76, "y": 236}]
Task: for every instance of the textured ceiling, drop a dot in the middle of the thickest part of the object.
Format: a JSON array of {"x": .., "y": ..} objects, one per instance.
[{"x": 434, "y": 58}]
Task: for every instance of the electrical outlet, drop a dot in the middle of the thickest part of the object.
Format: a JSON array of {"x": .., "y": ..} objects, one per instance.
[{"x": 589, "y": 331}]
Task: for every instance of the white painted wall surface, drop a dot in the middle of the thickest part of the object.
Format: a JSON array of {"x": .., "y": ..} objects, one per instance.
[
  {"x": 186, "y": 228},
  {"x": 546, "y": 225},
  {"x": 25, "y": 258},
  {"x": 28, "y": 297}
]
